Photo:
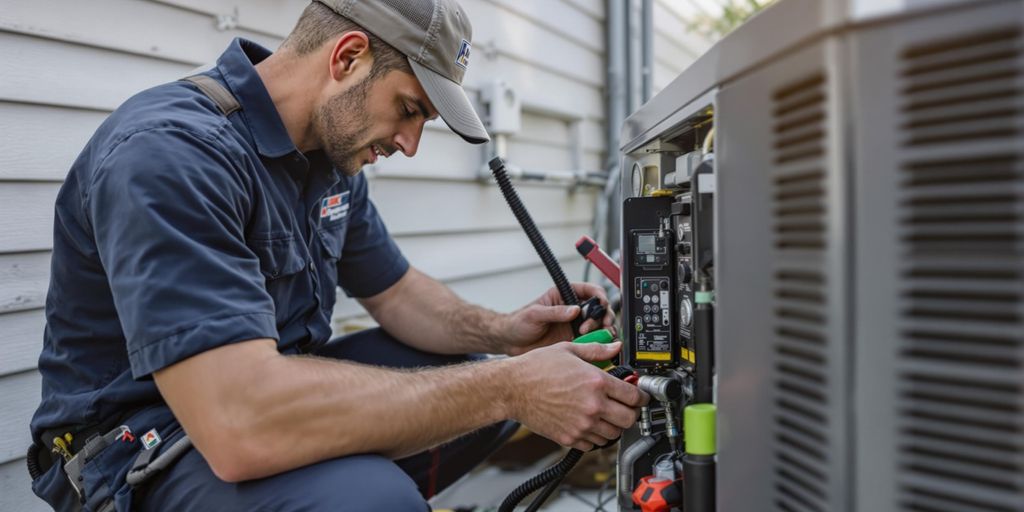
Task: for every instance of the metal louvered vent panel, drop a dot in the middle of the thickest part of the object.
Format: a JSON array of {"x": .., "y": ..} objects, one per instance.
[
  {"x": 799, "y": 316},
  {"x": 961, "y": 394}
]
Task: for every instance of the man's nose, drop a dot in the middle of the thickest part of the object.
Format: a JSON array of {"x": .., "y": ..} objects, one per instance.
[{"x": 408, "y": 138}]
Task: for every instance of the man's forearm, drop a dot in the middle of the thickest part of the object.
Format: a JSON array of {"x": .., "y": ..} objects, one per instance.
[
  {"x": 424, "y": 313},
  {"x": 298, "y": 410}
]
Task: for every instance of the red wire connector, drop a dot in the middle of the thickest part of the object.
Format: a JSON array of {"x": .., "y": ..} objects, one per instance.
[{"x": 589, "y": 249}]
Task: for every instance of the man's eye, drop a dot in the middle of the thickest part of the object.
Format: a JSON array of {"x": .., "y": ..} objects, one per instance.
[{"x": 408, "y": 112}]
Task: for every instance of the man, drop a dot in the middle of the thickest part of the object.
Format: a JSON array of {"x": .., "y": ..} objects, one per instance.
[{"x": 199, "y": 240}]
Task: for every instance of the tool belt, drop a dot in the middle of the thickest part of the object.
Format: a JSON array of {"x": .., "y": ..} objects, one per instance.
[
  {"x": 75, "y": 448},
  {"x": 63, "y": 443}
]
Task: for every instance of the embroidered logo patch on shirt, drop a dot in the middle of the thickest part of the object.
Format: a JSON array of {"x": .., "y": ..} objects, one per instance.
[
  {"x": 462, "y": 59},
  {"x": 334, "y": 207}
]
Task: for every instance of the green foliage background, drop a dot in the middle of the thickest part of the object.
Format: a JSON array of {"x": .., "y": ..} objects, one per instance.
[{"x": 734, "y": 13}]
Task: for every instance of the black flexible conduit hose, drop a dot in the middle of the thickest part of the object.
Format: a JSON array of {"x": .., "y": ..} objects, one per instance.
[
  {"x": 555, "y": 473},
  {"x": 552, "y": 477},
  {"x": 539, "y": 244}
]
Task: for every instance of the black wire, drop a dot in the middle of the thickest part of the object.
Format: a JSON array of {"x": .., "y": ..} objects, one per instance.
[
  {"x": 32, "y": 461},
  {"x": 545, "y": 493},
  {"x": 553, "y": 476},
  {"x": 569, "y": 297},
  {"x": 558, "y": 471}
]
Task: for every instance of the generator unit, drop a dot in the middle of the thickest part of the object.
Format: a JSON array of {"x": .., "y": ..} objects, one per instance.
[{"x": 822, "y": 235}]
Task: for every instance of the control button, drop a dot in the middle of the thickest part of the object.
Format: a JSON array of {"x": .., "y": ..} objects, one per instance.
[
  {"x": 647, "y": 318},
  {"x": 685, "y": 273},
  {"x": 654, "y": 287},
  {"x": 664, "y": 285},
  {"x": 639, "y": 327},
  {"x": 654, "y": 299},
  {"x": 647, "y": 299},
  {"x": 647, "y": 309},
  {"x": 685, "y": 312}
]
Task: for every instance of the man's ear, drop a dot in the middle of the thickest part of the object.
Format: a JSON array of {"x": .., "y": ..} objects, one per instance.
[{"x": 350, "y": 52}]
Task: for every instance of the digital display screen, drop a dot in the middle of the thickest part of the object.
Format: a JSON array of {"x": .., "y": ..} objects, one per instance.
[{"x": 645, "y": 244}]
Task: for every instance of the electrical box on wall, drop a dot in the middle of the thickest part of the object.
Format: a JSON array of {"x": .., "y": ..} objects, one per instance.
[{"x": 504, "y": 108}]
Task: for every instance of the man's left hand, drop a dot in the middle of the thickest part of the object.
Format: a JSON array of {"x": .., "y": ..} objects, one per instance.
[{"x": 546, "y": 320}]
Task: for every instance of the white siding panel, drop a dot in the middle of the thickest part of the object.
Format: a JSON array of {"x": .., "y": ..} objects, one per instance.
[
  {"x": 671, "y": 51},
  {"x": 37, "y": 70},
  {"x": 538, "y": 127},
  {"x": 462, "y": 256},
  {"x": 542, "y": 157},
  {"x": 24, "y": 277},
  {"x": 346, "y": 308},
  {"x": 594, "y": 8},
  {"x": 558, "y": 18},
  {"x": 40, "y": 142},
  {"x": 16, "y": 489},
  {"x": 180, "y": 35},
  {"x": 537, "y": 87},
  {"x": 538, "y": 156},
  {"x": 517, "y": 288},
  {"x": 21, "y": 396},
  {"x": 422, "y": 206},
  {"x": 27, "y": 213},
  {"x": 21, "y": 336},
  {"x": 498, "y": 30},
  {"x": 675, "y": 47},
  {"x": 271, "y": 17}
]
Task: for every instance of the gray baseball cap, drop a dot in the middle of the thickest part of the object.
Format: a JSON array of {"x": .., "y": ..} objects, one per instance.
[{"x": 437, "y": 37}]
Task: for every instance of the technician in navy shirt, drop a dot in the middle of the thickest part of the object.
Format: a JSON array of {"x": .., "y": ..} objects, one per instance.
[{"x": 198, "y": 243}]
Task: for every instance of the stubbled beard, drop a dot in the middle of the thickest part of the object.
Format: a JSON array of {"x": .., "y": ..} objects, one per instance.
[{"x": 341, "y": 124}]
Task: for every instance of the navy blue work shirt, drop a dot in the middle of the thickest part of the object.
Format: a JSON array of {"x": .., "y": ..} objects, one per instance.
[{"x": 179, "y": 230}]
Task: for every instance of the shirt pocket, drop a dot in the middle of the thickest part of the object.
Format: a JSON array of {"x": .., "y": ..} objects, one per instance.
[
  {"x": 332, "y": 242},
  {"x": 283, "y": 263},
  {"x": 279, "y": 257}
]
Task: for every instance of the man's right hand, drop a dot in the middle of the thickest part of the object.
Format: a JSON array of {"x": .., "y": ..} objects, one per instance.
[{"x": 558, "y": 394}]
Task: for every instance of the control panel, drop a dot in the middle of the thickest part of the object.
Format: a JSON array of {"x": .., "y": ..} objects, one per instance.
[
  {"x": 649, "y": 275},
  {"x": 682, "y": 225}
]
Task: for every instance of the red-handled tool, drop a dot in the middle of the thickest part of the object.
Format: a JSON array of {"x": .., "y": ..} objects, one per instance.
[{"x": 589, "y": 249}]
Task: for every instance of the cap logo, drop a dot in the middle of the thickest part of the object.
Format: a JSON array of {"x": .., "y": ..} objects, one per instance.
[{"x": 462, "y": 59}]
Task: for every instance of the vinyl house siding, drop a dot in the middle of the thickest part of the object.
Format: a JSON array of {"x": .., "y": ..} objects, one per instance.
[{"x": 66, "y": 64}]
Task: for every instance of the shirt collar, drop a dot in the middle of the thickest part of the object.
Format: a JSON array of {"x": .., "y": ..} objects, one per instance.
[{"x": 237, "y": 66}]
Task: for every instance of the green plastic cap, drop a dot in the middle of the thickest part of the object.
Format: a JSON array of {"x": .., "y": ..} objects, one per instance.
[
  {"x": 699, "y": 425},
  {"x": 598, "y": 336}
]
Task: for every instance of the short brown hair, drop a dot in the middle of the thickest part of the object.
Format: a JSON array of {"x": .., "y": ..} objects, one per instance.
[{"x": 318, "y": 23}]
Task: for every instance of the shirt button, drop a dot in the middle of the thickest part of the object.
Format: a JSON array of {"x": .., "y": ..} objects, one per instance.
[{"x": 312, "y": 266}]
